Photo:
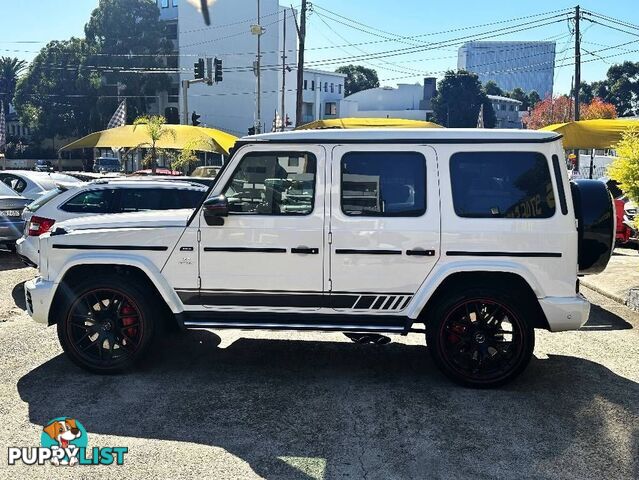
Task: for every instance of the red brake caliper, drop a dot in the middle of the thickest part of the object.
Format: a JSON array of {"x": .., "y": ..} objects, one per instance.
[{"x": 129, "y": 310}]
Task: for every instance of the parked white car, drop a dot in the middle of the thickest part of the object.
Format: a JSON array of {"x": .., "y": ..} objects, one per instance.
[
  {"x": 101, "y": 197},
  {"x": 32, "y": 184},
  {"x": 477, "y": 234}
]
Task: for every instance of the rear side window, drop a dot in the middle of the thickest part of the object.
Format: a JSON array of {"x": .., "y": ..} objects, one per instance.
[
  {"x": 90, "y": 201},
  {"x": 139, "y": 199},
  {"x": 383, "y": 184},
  {"x": 501, "y": 185}
]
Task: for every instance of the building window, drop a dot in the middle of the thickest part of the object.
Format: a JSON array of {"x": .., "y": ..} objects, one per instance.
[
  {"x": 313, "y": 85},
  {"x": 330, "y": 108},
  {"x": 270, "y": 184},
  {"x": 305, "y": 84},
  {"x": 332, "y": 88},
  {"x": 383, "y": 184},
  {"x": 339, "y": 88},
  {"x": 326, "y": 86},
  {"x": 171, "y": 31},
  {"x": 175, "y": 3},
  {"x": 501, "y": 185},
  {"x": 165, "y": 3}
]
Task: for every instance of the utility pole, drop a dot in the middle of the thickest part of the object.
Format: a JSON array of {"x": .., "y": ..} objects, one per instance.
[
  {"x": 185, "y": 102},
  {"x": 300, "y": 65},
  {"x": 258, "y": 127},
  {"x": 577, "y": 83},
  {"x": 577, "y": 62},
  {"x": 282, "y": 112}
]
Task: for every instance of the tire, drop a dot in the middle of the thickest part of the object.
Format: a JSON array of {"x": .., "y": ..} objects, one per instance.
[
  {"x": 480, "y": 337},
  {"x": 107, "y": 324}
]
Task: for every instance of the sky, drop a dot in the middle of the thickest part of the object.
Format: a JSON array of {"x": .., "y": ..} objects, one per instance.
[{"x": 28, "y": 24}]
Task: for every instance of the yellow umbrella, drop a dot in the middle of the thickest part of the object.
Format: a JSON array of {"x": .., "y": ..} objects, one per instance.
[
  {"x": 586, "y": 134},
  {"x": 130, "y": 136},
  {"x": 368, "y": 123}
]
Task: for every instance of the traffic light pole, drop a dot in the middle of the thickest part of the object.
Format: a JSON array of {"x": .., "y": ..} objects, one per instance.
[{"x": 185, "y": 97}]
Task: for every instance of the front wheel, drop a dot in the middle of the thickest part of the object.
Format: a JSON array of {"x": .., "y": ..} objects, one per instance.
[
  {"x": 107, "y": 324},
  {"x": 480, "y": 338}
]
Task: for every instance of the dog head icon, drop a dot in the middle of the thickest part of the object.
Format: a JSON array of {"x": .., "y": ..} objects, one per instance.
[{"x": 63, "y": 431}]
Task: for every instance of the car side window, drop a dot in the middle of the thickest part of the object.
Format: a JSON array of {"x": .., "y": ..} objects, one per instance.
[
  {"x": 141, "y": 199},
  {"x": 273, "y": 183},
  {"x": 91, "y": 201},
  {"x": 383, "y": 184},
  {"x": 501, "y": 185}
]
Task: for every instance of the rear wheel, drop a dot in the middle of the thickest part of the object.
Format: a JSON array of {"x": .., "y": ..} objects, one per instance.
[
  {"x": 106, "y": 324},
  {"x": 480, "y": 338}
]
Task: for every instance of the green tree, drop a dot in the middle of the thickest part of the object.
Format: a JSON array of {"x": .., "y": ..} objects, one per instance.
[
  {"x": 57, "y": 95},
  {"x": 458, "y": 100},
  {"x": 10, "y": 70},
  {"x": 586, "y": 94},
  {"x": 491, "y": 88},
  {"x": 519, "y": 94},
  {"x": 358, "y": 78},
  {"x": 128, "y": 39},
  {"x": 156, "y": 130},
  {"x": 625, "y": 167},
  {"x": 533, "y": 98}
]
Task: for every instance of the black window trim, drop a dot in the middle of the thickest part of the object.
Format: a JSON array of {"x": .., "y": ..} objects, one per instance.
[
  {"x": 487, "y": 217},
  {"x": 560, "y": 184},
  {"x": 415, "y": 214},
  {"x": 276, "y": 154}
]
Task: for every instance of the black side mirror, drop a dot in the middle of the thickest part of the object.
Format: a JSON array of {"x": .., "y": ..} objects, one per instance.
[{"x": 215, "y": 209}]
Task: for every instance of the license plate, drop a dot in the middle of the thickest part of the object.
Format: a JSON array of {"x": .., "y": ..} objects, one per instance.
[{"x": 10, "y": 213}]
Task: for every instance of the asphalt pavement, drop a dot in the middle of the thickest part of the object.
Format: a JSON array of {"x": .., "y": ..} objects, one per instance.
[{"x": 237, "y": 404}]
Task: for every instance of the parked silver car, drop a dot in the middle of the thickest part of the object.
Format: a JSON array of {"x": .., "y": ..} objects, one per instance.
[{"x": 11, "y": 223}]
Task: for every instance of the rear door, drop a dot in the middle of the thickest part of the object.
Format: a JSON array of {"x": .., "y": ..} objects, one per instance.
[{"x": 384, "y": 236}]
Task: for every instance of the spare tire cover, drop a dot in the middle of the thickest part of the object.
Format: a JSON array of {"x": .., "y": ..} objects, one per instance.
[{"x": 594, "y": 210}]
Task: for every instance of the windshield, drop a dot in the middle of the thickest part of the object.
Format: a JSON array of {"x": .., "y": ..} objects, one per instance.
[{"x": 45, "y": 198}]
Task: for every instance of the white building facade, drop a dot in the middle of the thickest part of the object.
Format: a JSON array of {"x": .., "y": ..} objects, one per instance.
[
  {"x": 506, "y": 111},
  {"x": 322, "y": 93},
  {"x": 409, "y": 101}
]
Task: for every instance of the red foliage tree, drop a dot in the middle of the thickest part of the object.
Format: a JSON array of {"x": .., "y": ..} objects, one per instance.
[{"x": 598, "y": 109}]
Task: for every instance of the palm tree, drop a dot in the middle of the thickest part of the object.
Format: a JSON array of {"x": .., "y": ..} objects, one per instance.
[
  {"x": 10, "y": 69},
  {"x": 156, "y": 129}
]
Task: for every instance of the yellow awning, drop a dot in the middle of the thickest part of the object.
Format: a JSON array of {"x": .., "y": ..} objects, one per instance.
[
  {"x": 368, "y": 123},
  {"x": 128, "y": 136},
  {"x": 586, "y": 134}
]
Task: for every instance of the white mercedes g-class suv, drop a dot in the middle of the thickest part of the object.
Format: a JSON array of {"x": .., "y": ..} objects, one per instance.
[{"x": 477, "y": 234}]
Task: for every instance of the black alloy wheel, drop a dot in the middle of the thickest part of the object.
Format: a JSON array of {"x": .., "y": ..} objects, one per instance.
[
  {"x": 105, "y": 327},
  {"x": 481, "y": 340}
]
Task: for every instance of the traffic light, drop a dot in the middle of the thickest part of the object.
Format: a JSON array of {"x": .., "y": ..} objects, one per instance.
[
  {"x": 199, "y": 69},
  {"x": 195, "y": 119},
  {"x": 251, "y": 131},
  {"x": 209, "y": 71},
  {"x": 218, "y": 70}
]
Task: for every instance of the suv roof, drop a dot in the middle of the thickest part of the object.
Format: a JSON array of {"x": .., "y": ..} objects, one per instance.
[{"x": 408, "y": 135}]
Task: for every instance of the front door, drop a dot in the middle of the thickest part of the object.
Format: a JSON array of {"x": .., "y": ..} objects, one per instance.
[
  {"x": 384, "y": 225},
  {"x": 269, "y": 253}
]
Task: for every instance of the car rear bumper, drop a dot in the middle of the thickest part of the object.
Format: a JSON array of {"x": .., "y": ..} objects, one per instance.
[
  {"x": 565, "y": 313},
  {"x": 27, "y": 248},
  {"x": 38, "y": 295},
  {"x": 11, "y": 231}
]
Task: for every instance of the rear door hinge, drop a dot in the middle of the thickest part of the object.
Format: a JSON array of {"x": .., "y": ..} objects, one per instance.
[
  {"x": 330, "y": 285},
  {"x": 330, "y": 238},
  {"x": 199, "y": 235},
  {"x": 199, "y": 282}
]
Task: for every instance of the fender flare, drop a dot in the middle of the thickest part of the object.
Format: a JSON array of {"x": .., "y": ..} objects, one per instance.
[
  {"x": 152, "y": 272},
  {"x": 441, "y": 272}
]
